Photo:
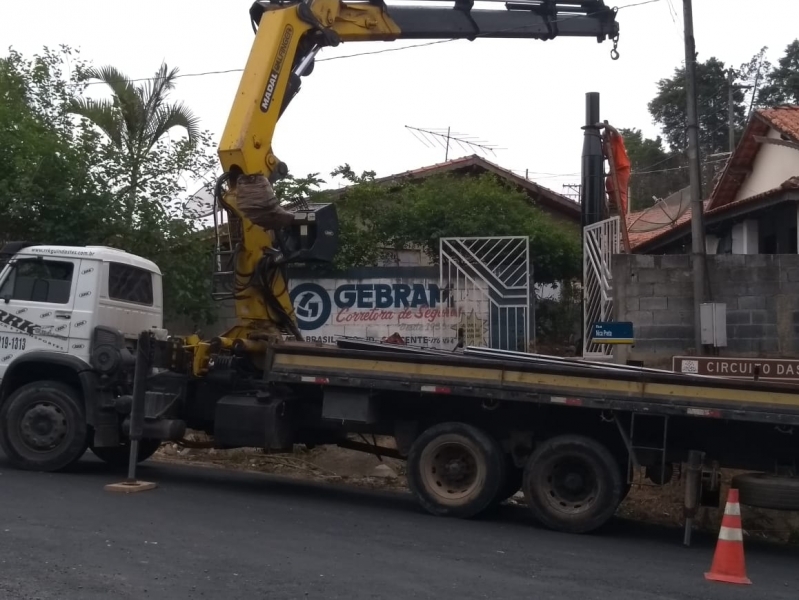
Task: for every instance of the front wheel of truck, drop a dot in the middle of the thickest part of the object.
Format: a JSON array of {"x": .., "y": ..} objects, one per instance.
[
  {"x": 42, "y": 426},
  {"x": 455, "y": 470}
]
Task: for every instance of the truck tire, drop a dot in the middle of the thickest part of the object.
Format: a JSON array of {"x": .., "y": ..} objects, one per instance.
[
  {"x": 765, "y": 490},
  {"x": 572, "y": 484},
  {"x": 43, "y": 426},
  {"x": 119, "y": 456},
  {"x": 455, "y": 470}
]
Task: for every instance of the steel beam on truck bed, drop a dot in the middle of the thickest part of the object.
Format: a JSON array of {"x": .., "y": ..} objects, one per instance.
[{"x": 537, "y": 381}]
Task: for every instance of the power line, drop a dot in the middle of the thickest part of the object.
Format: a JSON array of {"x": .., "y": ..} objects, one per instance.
[
  {"x": 641, "y": 172},
  {"x": 382, "y": 51}
]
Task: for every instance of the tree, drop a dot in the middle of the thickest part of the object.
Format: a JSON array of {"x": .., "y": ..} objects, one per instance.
[
  {"x": 135, "y": 120},
  {"x": 668, "y": 108},
  {"x": 656, "y": 172},
  {"x": 379, "y": 217},
  {"x": 752, "y": 76},
  {"x": 782, "y": 82},
  {"x": 50, "y": 189},
  {"x": 62, "y": 180},
  {"x": 149, "y": 172}
]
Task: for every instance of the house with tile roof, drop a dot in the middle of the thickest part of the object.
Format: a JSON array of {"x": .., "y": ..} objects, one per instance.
[
  {"x": 557, "y": 206},
  {"x": 752, "y": 207},
  {"x": 549, "y": 201},
  {"x": 752, "y": 267}
]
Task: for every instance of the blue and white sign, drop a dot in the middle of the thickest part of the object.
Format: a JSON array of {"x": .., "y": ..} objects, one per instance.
[
  {"x": 375, "y": 309},
  {"x": 613, "y": 332}
]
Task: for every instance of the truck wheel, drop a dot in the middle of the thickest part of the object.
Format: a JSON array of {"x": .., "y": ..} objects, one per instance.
[
  {"x": 572, "y": 484},
  {"x": 455, "y": 470},
  {"x": 765, "y": 490},
  {"x": 42, "y": 426},
  {"x": 118, "y": 456}
]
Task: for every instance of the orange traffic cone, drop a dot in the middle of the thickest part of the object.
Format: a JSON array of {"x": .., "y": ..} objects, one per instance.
[{"x": 728, "y": 560}]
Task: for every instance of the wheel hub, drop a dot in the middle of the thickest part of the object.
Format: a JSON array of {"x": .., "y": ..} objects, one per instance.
[
  {"x": 43, "y": 426},
  {"x": 573, "y": 482},
  {"x": 455, "y": 469},
  {"x": 571, "y": 485},
  {"x": 451, "y": 471}
]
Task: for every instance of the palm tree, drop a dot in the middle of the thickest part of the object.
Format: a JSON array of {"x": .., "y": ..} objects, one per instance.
[{"x": 135, "y": 118}]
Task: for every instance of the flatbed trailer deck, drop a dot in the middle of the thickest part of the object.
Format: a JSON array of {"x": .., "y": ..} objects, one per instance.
[{"x": 514, "y": 377}]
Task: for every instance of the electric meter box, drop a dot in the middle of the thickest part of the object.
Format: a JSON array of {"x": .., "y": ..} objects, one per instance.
[{"x": 713, "y": 323}]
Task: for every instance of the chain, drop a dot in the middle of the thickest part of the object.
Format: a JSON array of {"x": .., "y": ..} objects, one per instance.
[{"x": 614, "y": 53}]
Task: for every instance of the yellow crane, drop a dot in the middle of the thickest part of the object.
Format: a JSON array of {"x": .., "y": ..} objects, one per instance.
[{"x": 264, "y": 236}]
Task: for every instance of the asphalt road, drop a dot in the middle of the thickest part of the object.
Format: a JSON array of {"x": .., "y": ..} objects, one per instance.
[{"x": 207, "y": 533}]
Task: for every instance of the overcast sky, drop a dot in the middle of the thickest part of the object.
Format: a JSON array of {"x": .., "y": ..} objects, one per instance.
[{"x": 526, "y": 96}]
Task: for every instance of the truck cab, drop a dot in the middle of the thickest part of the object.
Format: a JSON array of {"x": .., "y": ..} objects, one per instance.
[{"x": 69, "y": 319}]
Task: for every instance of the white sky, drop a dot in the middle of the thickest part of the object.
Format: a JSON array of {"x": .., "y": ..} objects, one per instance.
[{"x": 525, "y": 96}]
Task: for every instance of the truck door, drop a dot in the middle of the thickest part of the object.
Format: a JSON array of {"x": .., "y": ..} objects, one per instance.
[
  {"x": 84, "y": 309},
  {"x": 36, "y": 300}
]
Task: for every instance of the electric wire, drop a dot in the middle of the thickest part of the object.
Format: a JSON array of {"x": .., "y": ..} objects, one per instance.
[{"x": 373, "y": 52}]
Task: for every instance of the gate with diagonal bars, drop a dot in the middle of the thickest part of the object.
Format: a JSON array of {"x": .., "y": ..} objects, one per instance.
[
  {"x": 600, "y": 242},
  {"x": 486, "y": 281}
]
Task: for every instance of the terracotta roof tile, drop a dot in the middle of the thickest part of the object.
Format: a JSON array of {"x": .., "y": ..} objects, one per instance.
[
  {"x": 545, "y": 195},
  {"x": 638, "y": 238},
  {"x": 683, "y": 222},
  {"x": 784, "y": 119}
]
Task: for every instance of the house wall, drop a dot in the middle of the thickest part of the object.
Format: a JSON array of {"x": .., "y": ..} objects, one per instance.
[
  {"x": 656, "y": 293},
  {"x": 772, "y": 166}
]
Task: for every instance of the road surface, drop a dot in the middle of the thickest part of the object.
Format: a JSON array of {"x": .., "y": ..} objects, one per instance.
[{"x": 208, "y": 533}]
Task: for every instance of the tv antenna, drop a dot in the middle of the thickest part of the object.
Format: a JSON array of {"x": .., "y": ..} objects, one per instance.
[{"x": 446, "y": 137}]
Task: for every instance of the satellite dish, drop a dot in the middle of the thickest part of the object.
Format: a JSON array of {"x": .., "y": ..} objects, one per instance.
[
  {"x": 200, "y": 204},
  {"x": 664, "y": 213}
]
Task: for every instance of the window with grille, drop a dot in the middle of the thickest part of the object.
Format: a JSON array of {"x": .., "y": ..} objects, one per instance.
[{"x": 130, "y": 284}]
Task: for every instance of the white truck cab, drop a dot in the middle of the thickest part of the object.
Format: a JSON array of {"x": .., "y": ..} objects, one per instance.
[
  {"x": 69, "y": 319},
  {"x": 53, "y": 297}
]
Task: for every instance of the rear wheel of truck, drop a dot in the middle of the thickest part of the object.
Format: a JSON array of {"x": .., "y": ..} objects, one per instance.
[
  {"x": 572, "y": 484},
  {"x": 43, "y": 427},
  {"x": 119, "y": 456},
  {"x": 455, "y": 470}
]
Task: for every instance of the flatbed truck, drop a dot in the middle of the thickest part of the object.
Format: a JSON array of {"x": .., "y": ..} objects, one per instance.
[
  {"x": 87, "y": 364},
  {"x": 85, "y": 361}
]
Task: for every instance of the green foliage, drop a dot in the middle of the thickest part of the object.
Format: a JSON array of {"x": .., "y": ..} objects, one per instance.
[
  {"x": 135, "y": 120},
  {"x": 67, "y": 180},
  {"x": 656, "y": 171},
  {"x": 50, "y": 188},
  {"x": 668, "y": 108},
  {"x": 558, "y": 321},
  {"x": 782, "y": 82},
  {"x": 378, "y": 218}
]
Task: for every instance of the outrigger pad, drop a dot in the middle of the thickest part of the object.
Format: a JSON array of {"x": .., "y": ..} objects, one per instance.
[{"x": 130, "y": 487}]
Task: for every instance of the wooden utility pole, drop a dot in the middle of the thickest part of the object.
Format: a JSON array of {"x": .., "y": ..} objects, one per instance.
[
  {"x": 697, "y": 216},
  {"x": 731, "y": 107}
]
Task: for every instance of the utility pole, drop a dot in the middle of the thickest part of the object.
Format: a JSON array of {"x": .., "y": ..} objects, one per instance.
[
  {"x": 730, "y": 107},
  {"x": 697, "y": 217}
]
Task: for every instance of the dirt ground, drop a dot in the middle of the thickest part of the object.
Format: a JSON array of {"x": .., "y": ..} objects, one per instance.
[{"x": 647, "y": 503}]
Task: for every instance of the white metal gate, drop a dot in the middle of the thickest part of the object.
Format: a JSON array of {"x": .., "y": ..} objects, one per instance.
[
  {"x": 600, "y": 242},
  {"x": 485, "y": 285}
]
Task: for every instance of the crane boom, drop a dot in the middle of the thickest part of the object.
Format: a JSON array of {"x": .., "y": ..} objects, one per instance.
[{"x": 288, "y": 35}]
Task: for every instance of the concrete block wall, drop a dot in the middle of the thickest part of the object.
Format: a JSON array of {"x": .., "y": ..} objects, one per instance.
[{"x": 656, "y": 293}]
